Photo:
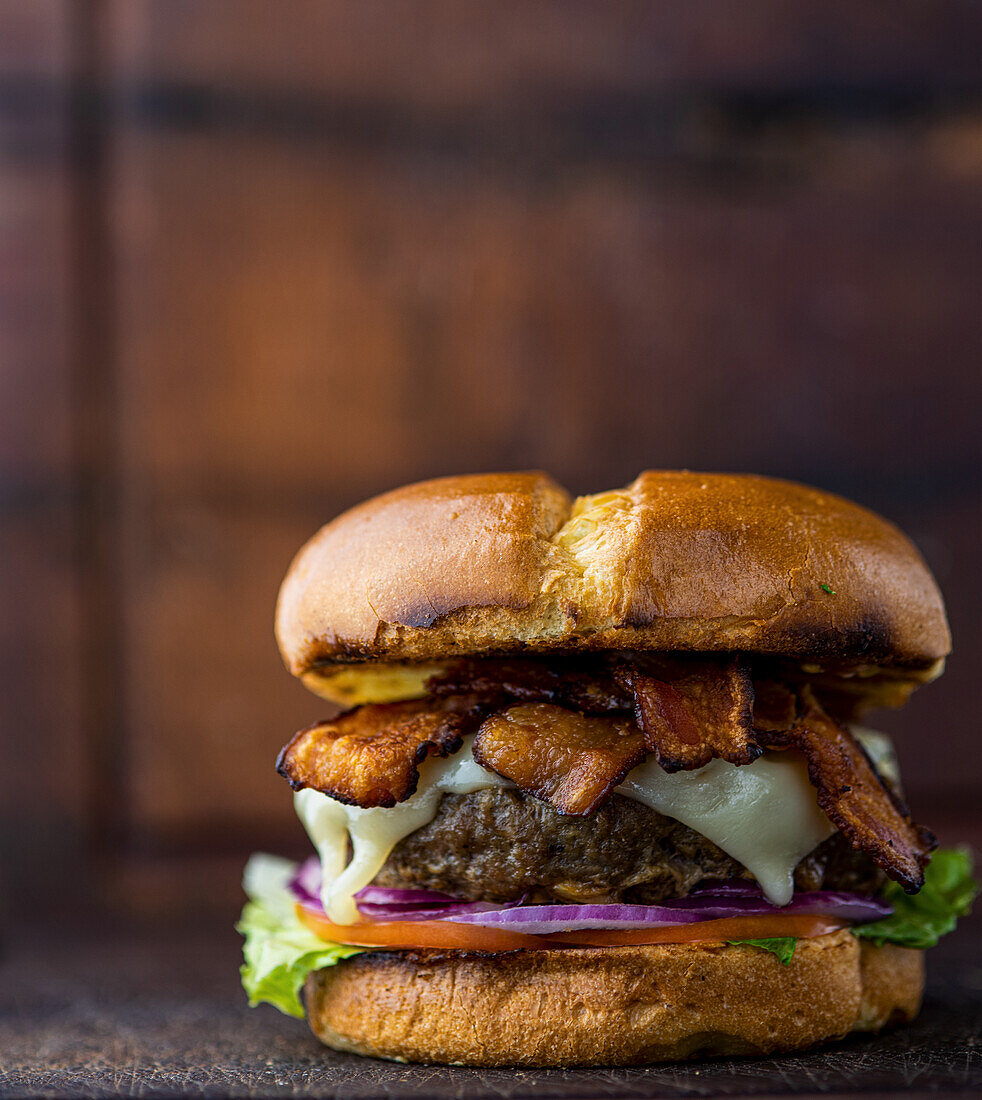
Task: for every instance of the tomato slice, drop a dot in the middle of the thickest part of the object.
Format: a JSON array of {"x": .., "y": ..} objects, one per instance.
[
  {"x": 423, "y": 933},
  {"x": 771, "y": 926},
  {"x": 472, "y": 937}
]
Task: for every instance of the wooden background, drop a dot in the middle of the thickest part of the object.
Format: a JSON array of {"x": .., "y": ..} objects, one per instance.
[{"x": 259, "y": 260}]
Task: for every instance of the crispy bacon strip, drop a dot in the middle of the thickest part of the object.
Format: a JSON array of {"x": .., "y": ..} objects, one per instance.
[
  {"x": 590, "y": 690},
  {"x": 569, "y": 760},
  {"x": 870, "y": 816},
  {"x": 370, "y": 756},
  {"x": 691, "y": 711}
]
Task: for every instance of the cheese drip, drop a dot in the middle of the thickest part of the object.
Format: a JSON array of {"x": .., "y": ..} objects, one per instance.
[
  {"x": 764, "y": 815},
  {"x": 374, "y": 833}
]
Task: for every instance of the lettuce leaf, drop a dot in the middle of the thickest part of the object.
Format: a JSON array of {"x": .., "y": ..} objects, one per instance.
[
  {"x": 782, "y": 946},
  {"x": 279, "y": 951},
  {"x": 920, "y": 920}
]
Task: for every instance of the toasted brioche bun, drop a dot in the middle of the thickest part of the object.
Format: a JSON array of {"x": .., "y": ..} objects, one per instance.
[
  {"x": 501, "y": 563},
  {"x": 610, "y": 1006}
]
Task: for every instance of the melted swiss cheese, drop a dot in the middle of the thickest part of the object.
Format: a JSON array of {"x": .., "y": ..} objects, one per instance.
[{"x": 762, "y": 814}]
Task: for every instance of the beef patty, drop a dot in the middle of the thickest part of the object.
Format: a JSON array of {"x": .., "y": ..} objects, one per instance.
[{"x": 501, "y": 844}]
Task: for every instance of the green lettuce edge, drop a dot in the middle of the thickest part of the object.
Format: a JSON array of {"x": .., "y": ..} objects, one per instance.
[
  {"x": 920, "y": 920},
  {"x": 781, "y": 946},
  {"x": 279, "y": 951}
]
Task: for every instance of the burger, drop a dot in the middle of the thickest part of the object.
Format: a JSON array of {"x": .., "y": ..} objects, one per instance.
[{"x": 599, "y": 791}]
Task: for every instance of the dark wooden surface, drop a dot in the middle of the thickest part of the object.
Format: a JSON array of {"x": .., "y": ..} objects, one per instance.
[{"x": 159, "y": 1012}]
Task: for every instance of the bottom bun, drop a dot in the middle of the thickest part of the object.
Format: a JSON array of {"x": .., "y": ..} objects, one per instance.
[{"x": 609, "y": 1006}]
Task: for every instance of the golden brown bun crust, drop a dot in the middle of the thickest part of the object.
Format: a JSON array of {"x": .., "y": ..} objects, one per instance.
[
  {"x": 610, "y": 1006},
  {"x": 498, "y": 563}
]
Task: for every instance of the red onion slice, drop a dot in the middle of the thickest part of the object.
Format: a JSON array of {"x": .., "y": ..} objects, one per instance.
[
  {"x": 544, "y": 919},
  {"x": 718, "y": 901},
  {"x": 305, "y": 883},
  {"x": 382, "y": 895}
]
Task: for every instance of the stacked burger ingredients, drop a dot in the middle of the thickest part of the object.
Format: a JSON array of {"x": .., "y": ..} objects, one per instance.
[{"x": 602, "y": 758}]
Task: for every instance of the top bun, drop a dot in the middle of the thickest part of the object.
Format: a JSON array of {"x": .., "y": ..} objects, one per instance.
[{"x": 499, "y": 563}]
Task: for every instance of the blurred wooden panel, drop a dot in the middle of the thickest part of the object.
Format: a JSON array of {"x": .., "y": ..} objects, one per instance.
[
  {"x": 35, "y": 207},
  {"x": 210, "y": 703},
  {"x": 801, "y": 330},
  {"x": 302, "y": 326},
  {"x": 937, "y": 732},
  {"x": 300, "y": 323},
  {"x": 460, "y": 55},
  {"x": 42, "y": 750},
  {"x": 36, "y": 411},
  {"x": 35, "y": 39},
  {"x": 43, "y": 763}
]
